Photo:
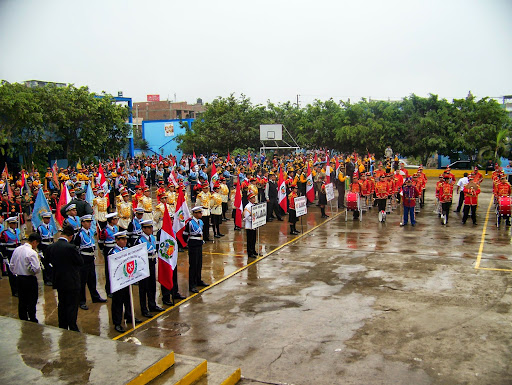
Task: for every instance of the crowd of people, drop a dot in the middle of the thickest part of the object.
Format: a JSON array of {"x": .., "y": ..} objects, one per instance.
[{"x": 132, "y": 196}]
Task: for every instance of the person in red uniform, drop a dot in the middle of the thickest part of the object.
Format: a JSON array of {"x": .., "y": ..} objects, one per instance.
[
  {"x": 160, "y": 191},
  {"x": 409, "y": 194},
  {"x": 381, "y": 192},
  {"x": 502, "y": 189},
  {"x": 471, "y": 191},
  {"x": 356, "y": 187},
  {"x": 478, "y": 177},
  {"x": 445, "y": 194}
]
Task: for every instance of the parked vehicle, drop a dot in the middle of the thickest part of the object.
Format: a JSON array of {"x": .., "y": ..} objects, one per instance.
[{"x": 463, "y": 165}]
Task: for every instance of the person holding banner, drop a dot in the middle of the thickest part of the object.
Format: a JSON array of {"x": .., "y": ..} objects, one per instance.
[
  {"x": 250, "y": 233},
  {"x": 107, "y": 235},
  {"x": 147, "y": 287},
  {"x": 86, "y": 245},
  {"x": 195, "y": 249},
  {"x": 121, "y": 298},
  {"x": 292, "y": 214}
]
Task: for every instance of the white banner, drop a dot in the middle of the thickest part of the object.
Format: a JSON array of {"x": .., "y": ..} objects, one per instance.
[
  {"x": 128, "y": 266},
  {"x": 329, "y": 192},
  {"x": 301, "y": 207},
  {"x": 259, "y": 215}
]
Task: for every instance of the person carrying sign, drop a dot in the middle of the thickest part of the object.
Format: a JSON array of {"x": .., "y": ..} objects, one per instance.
[{"x": 250, "y": 233}]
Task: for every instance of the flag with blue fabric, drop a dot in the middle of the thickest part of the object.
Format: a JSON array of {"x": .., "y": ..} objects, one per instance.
[
  {"x": 89, "y": 197},
  {"x": 40, "y": 207}
]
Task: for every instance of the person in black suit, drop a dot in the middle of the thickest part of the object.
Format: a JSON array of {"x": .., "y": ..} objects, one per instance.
[{"x": 66, "y": 263}]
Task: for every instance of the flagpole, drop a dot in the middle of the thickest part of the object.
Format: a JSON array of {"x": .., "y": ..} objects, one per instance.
[
  {"x": 258, "y": 243},
  {"x": 133, "y": 310}
]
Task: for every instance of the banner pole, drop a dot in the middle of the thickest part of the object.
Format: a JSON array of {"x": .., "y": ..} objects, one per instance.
[
  {"x": 258, "y": 242},
  {"x": 131, "y": 305}
]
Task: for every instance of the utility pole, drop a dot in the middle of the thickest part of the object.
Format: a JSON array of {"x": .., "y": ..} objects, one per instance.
[{"x": 298, "y": 101}]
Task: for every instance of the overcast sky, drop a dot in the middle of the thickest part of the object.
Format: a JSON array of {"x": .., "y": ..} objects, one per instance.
[{"x": 268, "y": 50}]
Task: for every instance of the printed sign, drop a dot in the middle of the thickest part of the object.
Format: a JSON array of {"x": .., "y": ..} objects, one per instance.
[
  {"x": 128, "y": 266},
  {"x": 301, "y": 207},
  {"x": 259, "y": 215},
  {"x": 169, "y": 129},
  {"x": 329, "y": 192},
  {"x": 153, "y": 98}
]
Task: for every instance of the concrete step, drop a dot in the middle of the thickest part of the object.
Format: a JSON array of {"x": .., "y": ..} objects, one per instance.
[
  {"x": 220, "y": 375},
  {"x": 185, "y": 371},
  {"x": 41, "y": 354}
]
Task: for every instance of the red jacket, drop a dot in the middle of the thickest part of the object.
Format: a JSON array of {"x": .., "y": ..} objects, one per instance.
[{"x": 471, "y": 195}]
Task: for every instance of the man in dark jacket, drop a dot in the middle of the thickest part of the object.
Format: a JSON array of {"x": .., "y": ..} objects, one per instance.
[
  {"x": 82, "y": 206},
  {"x": 66, "y": 263}
]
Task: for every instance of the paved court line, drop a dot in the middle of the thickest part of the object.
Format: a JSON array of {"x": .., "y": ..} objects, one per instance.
[
  {"x": 482, "y": 242},
  {"x": 227, "y": 276}
]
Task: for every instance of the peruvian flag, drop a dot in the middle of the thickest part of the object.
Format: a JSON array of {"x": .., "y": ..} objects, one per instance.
[
  {"x": 228, "y": 158},
  {"x": 167, "y": 252},
  {"x": 214, "y": 176},
  {"x": 64, "y": 199},
  {"x": 103, "y": 179},
  {"x": 5, "y": 173},
  {"x": 238, "y": 205},
  {"x": 142, "y": 182},
  {"x": 181, "y": 217},
  {"x": 310, "y": 191},
  {"x": 281, "y": 192},
  {"x": 55, "y": 170},
  {"x": 327, "y": 170},
  {"x": 172, "y": 178},
  {"x": 316, "y": 158},
  {"x": 250, "y": 159},
  {"x": 194, "y": 160},
  {"x": 22, "y": 181}
]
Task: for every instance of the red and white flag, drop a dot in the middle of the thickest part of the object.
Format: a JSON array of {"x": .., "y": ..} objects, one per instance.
[
  {"x": 55, "y": 170},
  {"x": 281, "y": 192},
  {"x": 167, "y": 252},
  {"x": 215, "y": 176},
  {"x": 228, "y": 158},
  {"x": 103, "y": 179},
  {"x": 172, "y": 178},
  {"x": 5, "y": 173},
  {"x": 181, "y": 217},
  {"x": 327, "y": 170},
  {"x": 238, "y": 205},
  {"x": 194, "y": 160},
  {"x": 310, "y": 191},
  {"x": 64, "y": 199},
  {"x": 250, "y": 159}
]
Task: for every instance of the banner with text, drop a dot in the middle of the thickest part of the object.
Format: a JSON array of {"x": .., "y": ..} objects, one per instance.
[
  {"x": 128, "y": 266},
  {"x": 259, "y": 215},
  {"x": 329, "y": 191},
  {"x": 301, "y": 207}
]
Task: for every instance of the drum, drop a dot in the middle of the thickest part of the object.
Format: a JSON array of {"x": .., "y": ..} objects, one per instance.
[
  {"x": 504, "y": 206},
  {"x": 352, "y": 199}
]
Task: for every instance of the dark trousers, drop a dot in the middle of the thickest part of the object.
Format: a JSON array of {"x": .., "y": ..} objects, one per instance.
[
  {"x": 446, "y": 209},
  {"x": 106, "y": 250},
  {"x": 147, "y": 288},
  {"x": 27, "y": 297},
  {"x": 272, "y": 208},
  {"x": 195, "y": 261},
  {"x": 224, "y": 209},
  {"x": 466, "y": 213},
  {"x": 461, "y": 201},
  {"x": 341, "y": 194},
  {"x": 88, "y": 277},
  {"x": 120, "y": 299},
  {"x": 68, "y": 308},
  {"x": 216, "y": 221},
  {"x": 251, "y": 242},
  {"x": 261, "y": 194},
  {"x": 381, "y": 203},
  {"x": 47, "y": 267},
  {"x": 166, "y": 293},
  {"x": 13, "y": 280},
  {"x": 206, "y": 227}
]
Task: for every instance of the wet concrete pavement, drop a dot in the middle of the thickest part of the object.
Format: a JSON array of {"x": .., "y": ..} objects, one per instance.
[{"x": 348, "y": 302}]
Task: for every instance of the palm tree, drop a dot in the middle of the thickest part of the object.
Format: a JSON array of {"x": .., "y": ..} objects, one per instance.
[{"x": 501, "y": 148}]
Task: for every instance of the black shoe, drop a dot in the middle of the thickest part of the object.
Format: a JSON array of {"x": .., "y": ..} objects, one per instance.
[
  {"x": 202, "y": 283},
  {"x": 147, "y": 314},
  {"x": 48, "y": 283},
  {"x": 413, "y": 224},
  {"x": 193, "y": 290},
  {"x": 222, "y": 235},
  {"x": 217, "y": 236},
  {"x": 84, "y": 307},
  {"x": 252, "y": 256},
  {"x": 296, "y": 232},
  {"x": 119, "y": 329},
  {"x": 280, "y": 219},
  {"x": 157, "y": 309},
  {"x": 179, "y": 296},
  {"x": 167, "y": 302},
  {"x": 137, "y": 321},
  {"x": 99, "y": 299},
  {"x": 109, "y": 295},
  {"x": 269, "y": 220}
]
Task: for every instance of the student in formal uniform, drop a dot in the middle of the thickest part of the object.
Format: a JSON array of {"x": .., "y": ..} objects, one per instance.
[
  {"x": 194, "y": 228},
  {"x": 471, "y": 191},
  {"x": 502, "y": 189},
  {"x": 25, "y": 265},
  {"x": 134, "y": 228},
  {"x": 47, "y": 231},
  {"x": 86, "y": 245},
  {"x": 224, "y": 193},
  {"x": 445, "y": 194},
  {"x": 107, "y": 235},
  {"x": 249, "y": 232},
  {"x": 147, "y": 204},
  {"x": 9, "y": 240},
  {"x": 71, "y": 218},
  {"x": 66, "y": 263},
  {"x": 203, "y": 199},
  {"x": 409, "y": 194},
  {"x": 121, "y": 298},
  {"x": 292, "y": 214},
  {"x": 124, "y": 210},
  {"x": 160, "y": 212},
  {"x": 147, "y": 287},
  {"x": 172, "y": 198},
  {"x": 216, "y": 210}
]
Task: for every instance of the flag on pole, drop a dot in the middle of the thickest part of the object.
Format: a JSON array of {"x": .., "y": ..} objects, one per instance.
[
  {"x": 167, "y": 252},
  {"x": 41, "y": 206},
  {"x": 316, "y": 159},
  {"x": 22, "y": 181},
  {"x": 228, "y": 158},
  {"x": 181, "y": 217},
  {"x": 103, "y": 179},
  {"x": 250, "y": 159},
  {"x": 310, "y": 191},
  {"x": 79, "y": 164},
  {"x": 194, "y": 160},
  {"x": 5, "y": 172},
  {"x": 327, "y": 170},
  {"x": 281, "y": 193},
  {"x": 215, "y": 176},
  {"x": 64, "y": 199},
  {"x": 238, "y": 205},
  {"x": 89, "y": 197},
  {"x": 172, "y": 178},
  {"x": 142, "y": 181},
  {"x": 55, "y": 170}
]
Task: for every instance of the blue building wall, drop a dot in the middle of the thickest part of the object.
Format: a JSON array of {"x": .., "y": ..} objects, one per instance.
[{"x": 161, "y": 135}]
